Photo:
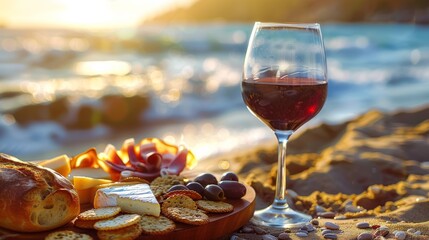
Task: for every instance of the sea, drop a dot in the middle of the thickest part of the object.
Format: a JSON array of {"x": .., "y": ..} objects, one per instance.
[{"x": 188, "y": 78}]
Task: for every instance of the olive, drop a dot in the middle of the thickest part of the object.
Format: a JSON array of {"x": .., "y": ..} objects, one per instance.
[
  {"x": 177, "y": 187},
  {"x": 206, "y": 179},
  {"x": 229, "y": 176},
  {"x": 196, "y": 186},
  {"x": 232, "y": 189},
  {"x": 213, "y": 192}
]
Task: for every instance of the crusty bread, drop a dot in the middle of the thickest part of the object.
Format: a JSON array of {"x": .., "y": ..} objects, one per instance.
[{"x": 34, "y": 198}]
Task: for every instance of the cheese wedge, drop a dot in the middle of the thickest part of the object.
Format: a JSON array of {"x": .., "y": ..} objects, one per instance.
[
  {"x": 85, "y": 187},
  {"x": 137, "y": 198},
  {"x": 61, "y": 164}
]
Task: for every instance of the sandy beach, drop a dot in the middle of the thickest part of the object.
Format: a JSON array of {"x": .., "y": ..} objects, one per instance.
[{"x": 373, "y": 168}]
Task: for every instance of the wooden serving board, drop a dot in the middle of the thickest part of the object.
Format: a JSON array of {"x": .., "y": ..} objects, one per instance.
[{"x": 220, "y": 225}]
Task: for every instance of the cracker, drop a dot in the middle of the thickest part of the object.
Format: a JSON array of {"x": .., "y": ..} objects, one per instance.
[
  {"x": 118, "y": 222},
  {"x": 160, "y": 185},
  {"x": 179, "y": 201},
  {"x": 85, "y": 224},
  {"x": 67, "y": 235},
  {"x": 127, "y": 233},
  {"x": 186, "y": 215},
  {"x": 190, "y": 193},
  {"x": 156, "y": 225},
  {"x": 215, "y": 207},
  {"x": 99, "y": 213}
]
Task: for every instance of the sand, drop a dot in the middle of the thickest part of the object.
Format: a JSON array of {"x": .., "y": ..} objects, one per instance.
[{"x": 377, "y": 163}]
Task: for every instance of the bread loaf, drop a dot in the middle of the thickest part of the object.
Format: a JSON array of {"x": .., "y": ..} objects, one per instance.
[{"x": 34, "y": 198}]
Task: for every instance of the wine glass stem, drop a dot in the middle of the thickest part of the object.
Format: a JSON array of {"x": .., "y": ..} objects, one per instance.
[{"x": 280, "y": 201}]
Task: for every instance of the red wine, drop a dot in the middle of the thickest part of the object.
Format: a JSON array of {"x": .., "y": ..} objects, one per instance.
[{"x": 284, "y": 104}]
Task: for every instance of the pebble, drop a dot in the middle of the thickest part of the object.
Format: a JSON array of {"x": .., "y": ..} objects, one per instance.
[
  {"x": 417, "y": 233},
  {"x": 284, "y": 236},
  {"x": 320, "y": 209},
  {"x": 362, "y": 225},
  {"x": 400, "y": 235},
  {"x": 340, "y": 217},
  {"x": 268, "y": 237},
  {"x": 259, "y": 230},
  {"x": 315, "y": 222},
  {"x": 301, "y": 234},
  {"x": 330, "y": 236},
  {"x": 287, "y": 230},
  {"x": 247, "y": 230},
  {"x": 326, "y": 214},
  {"x": 365, "y": 236},
  {"x": 327, "y": 231},
  {"x": 310, "y": 228},
  {"x": 234, "y": 237},
  {"x": 411, "y": 230},
  {"x": 381, "y": 232},
  {"x": 332, "y": 226},
  {"x": 352, "y": 209},
  {"x": 292, "y": 193}
]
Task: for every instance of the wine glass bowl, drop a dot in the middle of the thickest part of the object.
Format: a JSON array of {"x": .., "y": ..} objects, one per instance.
[{"x": 284, "y": 85}]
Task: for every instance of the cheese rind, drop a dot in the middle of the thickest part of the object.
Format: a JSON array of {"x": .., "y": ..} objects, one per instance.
[{"x": 137, "y": 198}]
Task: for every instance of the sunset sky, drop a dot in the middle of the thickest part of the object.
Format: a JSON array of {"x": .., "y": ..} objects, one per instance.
[{"x": 82, "y": 13}]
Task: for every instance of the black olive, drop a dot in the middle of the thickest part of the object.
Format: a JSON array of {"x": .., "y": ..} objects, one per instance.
[
  {"x": 233, "y": 189},
  {"x": 196, "y": 186},
  {"x": 213, "y": 192},
  {"x": 206, "y": 179},
  {"x": 229, "y": 176},
  {"x": 177, "y": 187}
]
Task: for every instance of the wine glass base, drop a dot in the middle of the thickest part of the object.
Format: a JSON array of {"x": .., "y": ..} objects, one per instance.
[{"x": 280, "y": 218}]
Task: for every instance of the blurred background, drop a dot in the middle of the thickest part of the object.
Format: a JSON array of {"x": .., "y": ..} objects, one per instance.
[{"x": 78, "y": 74}]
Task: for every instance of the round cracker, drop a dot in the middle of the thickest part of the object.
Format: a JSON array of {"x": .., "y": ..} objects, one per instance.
[
  {"x": 156, "y": 225},
  {"x": 127, "y": 233},
  {"x": 190, "y": 193},
  {"x": 99, "y": 213},
  {"x": 67, "y": 235},
  {"x": 160, "y": 185},
  {"x": 186, "y": 215},
  {"x": 215, "y": 207},
  {"x": 118, "y": 222},
  {"x": 85, "y": 224},
  {"x": 179, "y": 201}
]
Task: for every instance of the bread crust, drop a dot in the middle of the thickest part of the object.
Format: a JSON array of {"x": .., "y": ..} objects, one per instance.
[{"x": 34, "y": 198}]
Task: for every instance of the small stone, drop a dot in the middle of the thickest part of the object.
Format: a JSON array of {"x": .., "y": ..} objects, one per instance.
[
  {"x": 327, "y": 231},
  {"x": 330, "y": 236},
  {"x": 235, "y": 237},
  {"x": 320, "y": 209},
  {"x": 365, "y": 236},
  {"x": 332, "y": 226},
  {"x": 284, "y": 236},
  {"x": 340, "y": 217},
  {"x": 303, "y": 231},
  {"x": 247, "y": 230},
  {"x": 292, "y": 193},
  {"x": 417, "y": 233},
  {"x": 259, "y": 231},
  {"x": 400, "y": 235},
  {"x": 310, "y": 228},
  {"x": 379, "y": 238},
  {"x": 362, "y": 225},
  {"x": 326, "y": 214},
  {"x": 411, "y": 230},
  {"x": 381, "y": 231},
  {"x": 268, "y": 237},
  {"x": 287, "y": 230},
  {"x": 352, "y": 209},
  {"x": 384, "y": 228},
  {"x": 301, "y": 234},
  {"x": 314, "y": 222}
]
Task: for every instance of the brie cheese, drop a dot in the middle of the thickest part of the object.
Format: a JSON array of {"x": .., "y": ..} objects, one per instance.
[{"x": 136, "y": 198}]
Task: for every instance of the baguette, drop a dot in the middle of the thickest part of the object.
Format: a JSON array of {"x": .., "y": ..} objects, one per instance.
[{"x": 34, "y": 198}]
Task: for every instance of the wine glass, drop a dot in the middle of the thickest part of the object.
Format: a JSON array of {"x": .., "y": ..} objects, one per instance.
[{"x": 284, "y": 85}]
